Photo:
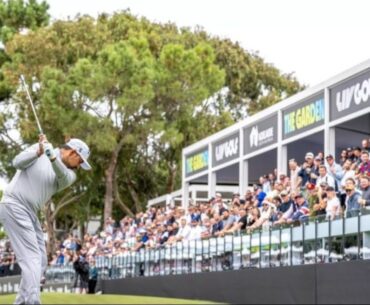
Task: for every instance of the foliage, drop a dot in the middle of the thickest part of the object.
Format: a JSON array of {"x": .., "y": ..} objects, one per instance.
[{"x": 137, "y": 92}]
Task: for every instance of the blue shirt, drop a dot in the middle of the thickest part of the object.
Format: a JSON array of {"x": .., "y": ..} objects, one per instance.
[{"x": 261, "y": 196}]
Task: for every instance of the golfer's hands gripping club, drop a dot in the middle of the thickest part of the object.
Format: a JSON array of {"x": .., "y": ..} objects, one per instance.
[{"x": 46, "y": 147}]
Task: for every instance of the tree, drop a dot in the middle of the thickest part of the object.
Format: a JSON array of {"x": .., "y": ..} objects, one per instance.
[
  {"x": 17, "y": 16},
  {"x": 138, "y": 92}
]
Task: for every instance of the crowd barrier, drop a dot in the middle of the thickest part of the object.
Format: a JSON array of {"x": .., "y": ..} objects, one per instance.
[{"x": 315, "y": 241}]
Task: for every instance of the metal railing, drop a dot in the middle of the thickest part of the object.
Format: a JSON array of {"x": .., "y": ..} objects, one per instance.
[{"x": 314, "y": 241}]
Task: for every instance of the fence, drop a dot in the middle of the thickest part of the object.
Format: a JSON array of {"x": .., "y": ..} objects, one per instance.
[{"x": 315, "y": 241}]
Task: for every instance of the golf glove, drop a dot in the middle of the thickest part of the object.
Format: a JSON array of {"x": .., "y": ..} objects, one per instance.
[{"x": 49, "y": 151}]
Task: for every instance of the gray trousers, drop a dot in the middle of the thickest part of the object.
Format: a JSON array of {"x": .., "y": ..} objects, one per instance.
[{"x": 27, "y": 240}]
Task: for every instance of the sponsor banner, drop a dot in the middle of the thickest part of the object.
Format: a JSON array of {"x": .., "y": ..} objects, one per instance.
[
  {"x": 226, "y": 149},
  {"x": 9, "y": 284},
  {"x": 196, "y": 162},
  {"x": 350, "y": 96},
  {"x": 260, "y": 135},
  {"x": 304, "y": 116}
]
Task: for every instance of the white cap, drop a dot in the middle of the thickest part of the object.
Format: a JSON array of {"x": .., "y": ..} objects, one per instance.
[
  {"x": 82, "y": 150},
  {"x": 310, "y": 155}
]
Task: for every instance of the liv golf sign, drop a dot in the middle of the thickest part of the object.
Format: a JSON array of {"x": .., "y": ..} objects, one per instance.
[
  {"x": 226, "y": 149},
  {"x": 350, "y": 96}
]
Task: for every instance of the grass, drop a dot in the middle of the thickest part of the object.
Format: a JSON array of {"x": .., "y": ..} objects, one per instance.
[{"x": 68, "y": 298}]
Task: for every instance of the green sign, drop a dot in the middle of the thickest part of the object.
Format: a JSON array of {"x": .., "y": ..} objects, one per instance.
[{"x": 196, "y": 162}]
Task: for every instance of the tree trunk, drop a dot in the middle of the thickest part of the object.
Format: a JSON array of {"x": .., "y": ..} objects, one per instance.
[
  {"x": 134, "y": 195},
  {"x": 109, "y": 181},
  {"x": 50, "y": 217},
  {"x": 119, "y": 201},
  {"x": 49, "y": 221},
  {"x": 172, "y": 171}
]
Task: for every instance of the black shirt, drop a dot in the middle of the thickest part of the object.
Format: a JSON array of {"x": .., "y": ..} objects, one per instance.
[
  {"x": 285, "y": 206},
  {"x": 244, "y": 222}
]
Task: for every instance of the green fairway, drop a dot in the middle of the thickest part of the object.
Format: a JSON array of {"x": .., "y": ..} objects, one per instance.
[{"x": 61, "y": 298}]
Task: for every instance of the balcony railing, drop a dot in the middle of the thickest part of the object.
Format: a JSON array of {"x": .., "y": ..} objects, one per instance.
[{"x": 314, "y": 241}]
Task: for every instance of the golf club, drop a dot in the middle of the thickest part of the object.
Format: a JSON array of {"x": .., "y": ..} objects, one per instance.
[{"x": 23, "y": 82}]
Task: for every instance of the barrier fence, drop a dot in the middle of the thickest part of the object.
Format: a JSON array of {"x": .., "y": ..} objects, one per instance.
[{"x": 314, "y": 241}]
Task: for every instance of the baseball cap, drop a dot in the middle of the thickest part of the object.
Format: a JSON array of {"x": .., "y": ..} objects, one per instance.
[
  {"x": 142, "y": 231},
  {"x": 329, "y": 157},
  {"x": 311, "y": 186},
  {"x": 310, "y": 155},
  {"x": 330, "y": 189},
  {"x": 82, "y": 150},
  {"x": 299, "y": 195},
  {"x": 284, "y": 193}
]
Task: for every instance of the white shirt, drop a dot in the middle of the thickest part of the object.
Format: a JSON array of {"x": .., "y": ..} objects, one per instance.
[
  {"x": 331, "y": 205},
  {"x": 294, "y": 178},
  {"x": 195, "y": 233},
  {"x": 347, "y": 174},
  {"x": 328, "y": 179},
  {"x": 183, "y": 232}
]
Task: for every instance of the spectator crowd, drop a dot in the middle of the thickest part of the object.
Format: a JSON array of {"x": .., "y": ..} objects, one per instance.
[{"x": 319, "y": 187}]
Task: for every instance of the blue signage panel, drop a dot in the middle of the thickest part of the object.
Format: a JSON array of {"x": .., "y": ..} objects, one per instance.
[{"x": 196, "y": 162}]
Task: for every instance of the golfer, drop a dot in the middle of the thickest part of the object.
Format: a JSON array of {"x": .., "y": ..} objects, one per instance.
[{"x": 41, "y": 172}]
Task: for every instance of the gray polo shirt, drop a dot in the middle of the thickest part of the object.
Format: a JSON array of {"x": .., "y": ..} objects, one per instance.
[{"x": 37, "y": 179}]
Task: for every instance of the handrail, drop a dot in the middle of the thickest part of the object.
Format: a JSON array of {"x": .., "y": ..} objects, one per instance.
[{"x": 315, "y": 241}]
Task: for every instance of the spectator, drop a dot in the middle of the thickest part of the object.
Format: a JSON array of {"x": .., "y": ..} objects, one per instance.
[
  {"x": 272, "y": 178},
  {"x": 260, "y": 195},
  {"x": 302, "y": 210},
  {"x": 350, "y": 154},
  {"x": 365, "y": 145},
  {"x": 286, "y": 203},
  {"x": 356, "y": 159},
  {"x": 59, "y": 258},
  {"x": 347, "y": 173},
  {"x": 142, "y": 239},
  {"x": 242, "y": 223},
  {"x": 93, "y": 277},
  {"x": 227, "y": 222},
  {"x": 365, "y": 189},
  {"x": 195, "y": 230},
  {"x": 217, "y": 224},
  {"x": 266, "y": 212},
  {"x": 206, "y": 229},
  {"x": 364, "y": 167},
  {"x": 315, "y": 172},
  {"x": 313, "y": 200},
  {"x": 332, "y": 204},
  {"x": 343, "y": 157},
  {"x": 334, "y": 170},
  {"x": 81, "y": 267},
  {"x": 184, "y": 231},
  {"x": 306, "y": 171},
  {"x": 265, "y": 184},
  {"x": 352, "y": 201},
  {"x": 325, "y": 177}
]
